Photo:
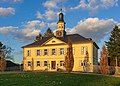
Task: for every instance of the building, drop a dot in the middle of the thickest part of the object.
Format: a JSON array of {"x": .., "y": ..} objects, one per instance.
[
  {"x": 48, "y": 53},
  {"x": 12, "y": 66}
]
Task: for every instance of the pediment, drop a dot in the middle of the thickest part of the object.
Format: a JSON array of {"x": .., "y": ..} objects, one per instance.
[{"x": 54, "y": 41}]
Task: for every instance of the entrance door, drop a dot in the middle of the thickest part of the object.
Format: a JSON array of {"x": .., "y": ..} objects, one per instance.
[{"x": 53, "y": 64}]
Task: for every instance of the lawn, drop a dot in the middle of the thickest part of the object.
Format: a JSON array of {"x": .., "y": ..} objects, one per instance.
[{"x": 56, "y": 79}]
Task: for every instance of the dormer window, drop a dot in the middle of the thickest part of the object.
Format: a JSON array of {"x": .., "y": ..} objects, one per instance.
[{"x": 53, "y": 41}]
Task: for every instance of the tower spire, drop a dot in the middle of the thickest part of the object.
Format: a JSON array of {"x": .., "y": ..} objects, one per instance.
[{"x": 61, "y": 25}]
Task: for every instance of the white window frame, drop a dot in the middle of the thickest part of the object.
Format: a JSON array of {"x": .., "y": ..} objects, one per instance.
[
  {"x": 53, "y": 53},
  {"x": 28, "y": 52},
  {"x": 38, "y": 53},
  {"x": 45, "y": 64},
  {"x": 61, "y": 63},
  {"x": 62, "y": 51},
  {"x": 37, "y": 63},
  {"x": 84, "y": 49},
  {"x": 45, "y": 52},
  {"x": 29, "y": 63}
]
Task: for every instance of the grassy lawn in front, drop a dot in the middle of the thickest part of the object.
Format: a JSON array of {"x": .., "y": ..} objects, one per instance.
[{"x": 56, "y": 79}]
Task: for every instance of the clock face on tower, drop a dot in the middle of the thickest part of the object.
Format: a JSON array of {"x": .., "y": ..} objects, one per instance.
[{"x": 59, "y": 33}]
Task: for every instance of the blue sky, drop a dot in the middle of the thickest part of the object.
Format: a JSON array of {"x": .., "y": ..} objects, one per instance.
[{"x": 22, "y": 20}]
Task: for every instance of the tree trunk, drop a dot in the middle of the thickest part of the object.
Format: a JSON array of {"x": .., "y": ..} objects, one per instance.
[{"x": 116, "y": 67}]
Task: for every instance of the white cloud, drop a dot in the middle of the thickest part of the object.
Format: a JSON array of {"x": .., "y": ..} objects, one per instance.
[
  {"x": 42, "y": 25},
  {"x": 94, "y": 5},
  {"x": 50, "y": 15},
  {"x": 7, "y": 11},
  {"x": 39, "y": 15},
  {"x": 52, "y": 7},
  {"x": 94, "y": 28},
  {"x": 15, "y": 1},
  {"x": 53, "y": 25},
  {"x": 31, "y": 28},
  {"x": 6, "y": 30},
  {"x": 53, "y": 4},
  {"x": 29, "y": 31},
  {"x": 26, "y": 33},
  {"x": 11, "y": 1},
  {"x": 50, "y": 4}
]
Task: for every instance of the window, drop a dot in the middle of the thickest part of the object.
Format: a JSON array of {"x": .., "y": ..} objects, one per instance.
[
  {"x": 38, "y": 52},
  {"x": 84, "y": 50},
  {"x": 45, "y": 52},
  {"x": 53, "y": 41},
  {"x": 61, "y": 51},
  {"x": 83, "y": 63},
  {"x": 28, "y": 53},
  {"x": 45, "y": 63},
  {"x": 53, "y": 51},
  {"x": 29, "y": 63},
  {"x": 38, "y": 63},
  {"x": 61, "y": 63}
]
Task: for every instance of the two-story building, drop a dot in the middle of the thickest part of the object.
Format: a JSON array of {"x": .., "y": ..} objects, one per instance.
[{"x": 49, "y": 53}]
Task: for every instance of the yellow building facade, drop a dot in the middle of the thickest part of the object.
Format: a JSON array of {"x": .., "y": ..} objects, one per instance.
[{"x": 49, "y": 53}]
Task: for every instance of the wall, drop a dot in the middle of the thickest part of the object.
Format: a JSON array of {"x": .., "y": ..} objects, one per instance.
[{"x": 77, "y": 57}]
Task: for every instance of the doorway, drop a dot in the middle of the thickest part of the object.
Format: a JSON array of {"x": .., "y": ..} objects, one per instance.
[{"x": 53, "y": 64}]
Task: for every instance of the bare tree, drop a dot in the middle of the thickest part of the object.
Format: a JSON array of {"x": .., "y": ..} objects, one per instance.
[{"x": 38, "y": 37}]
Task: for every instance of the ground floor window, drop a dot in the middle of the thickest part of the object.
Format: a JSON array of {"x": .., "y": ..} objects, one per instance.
[
  {"x": 83, "y": 63},
  {"x": 38, "y": 63},
  {"x": 29, "y": 63},
  {"x": 61, "y": 63},
  {"x": 45, "y": 63}
]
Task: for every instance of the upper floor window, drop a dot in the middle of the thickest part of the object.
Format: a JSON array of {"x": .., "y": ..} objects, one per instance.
[
  {"x": 38, "y": 63},
  {"x": 61, "y": 51},
  {"x": 45, "y": 63},
  {"x": 38, "y": 52},
  {"x": 29, "y": 63},
  {"x": 53, "y": 51},
  {"x": 45, "y": 52},
  {"x": 84, "y": 49},
  {"x": 28, "y": 53}
]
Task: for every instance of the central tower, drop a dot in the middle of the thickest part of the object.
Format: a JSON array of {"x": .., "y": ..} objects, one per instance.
[{"x": 61, "y": 26}]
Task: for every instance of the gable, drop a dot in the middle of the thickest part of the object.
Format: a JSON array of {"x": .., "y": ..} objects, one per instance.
[{"x": 53, "y": 41}]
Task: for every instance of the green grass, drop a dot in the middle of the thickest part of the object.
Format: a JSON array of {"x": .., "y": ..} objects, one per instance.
[{"x": 56, "y": 79}]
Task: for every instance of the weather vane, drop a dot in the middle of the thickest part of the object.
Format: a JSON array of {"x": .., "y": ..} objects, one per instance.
[{"x": 61, "y": 10}]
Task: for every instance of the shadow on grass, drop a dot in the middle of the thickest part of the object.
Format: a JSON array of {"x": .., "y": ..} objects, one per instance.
[{"x": 56, "y": 79}]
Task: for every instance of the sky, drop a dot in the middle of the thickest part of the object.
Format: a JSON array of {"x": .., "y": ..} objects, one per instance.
[{"x": 22, "y": 20}]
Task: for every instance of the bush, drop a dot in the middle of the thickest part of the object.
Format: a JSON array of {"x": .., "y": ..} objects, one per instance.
[{"x": 111, "y": 70}]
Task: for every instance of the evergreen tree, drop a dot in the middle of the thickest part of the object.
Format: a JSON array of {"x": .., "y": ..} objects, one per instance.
[
  {"x": 104, "y": 61},
  {"x": 48, "y": 33},
  {"x": 38, "y": 37},
  {"x": 69, "y": 59},
  {"x": 113, "y": 45}
]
